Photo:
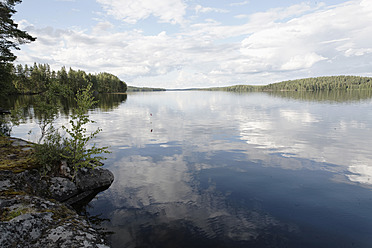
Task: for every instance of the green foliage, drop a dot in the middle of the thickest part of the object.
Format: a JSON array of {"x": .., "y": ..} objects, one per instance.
[
  {"x": 46, "y": 108},
  {"x": 50, "y": 153},
  {"x": 10, "y": 36},
  {"x": 322, "y": 83},
  {"x": 39, "y": 78},
  {"x": 52, "y": 148},
  {"x": 141, "y": 89},
  {"x": 307, "y": 84},
  {"x": 6, "y": 77},
  {"x": 79, "y": 155},
  {"x": 108, "y": 83},
  {"x": 236, "y": 88}
]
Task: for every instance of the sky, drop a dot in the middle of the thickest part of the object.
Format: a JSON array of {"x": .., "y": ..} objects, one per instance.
[{"x": 177, "y": 44}]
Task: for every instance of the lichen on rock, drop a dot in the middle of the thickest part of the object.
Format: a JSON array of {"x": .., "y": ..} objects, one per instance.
[
  {"x": 36, "y": 210},
  {"x": 45, "y": 224}
]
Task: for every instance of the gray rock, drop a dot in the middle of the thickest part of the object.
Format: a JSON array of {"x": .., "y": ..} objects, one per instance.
[
  {"x": 89, "y": 182},
  {"x": 41, "y": 223},
  {"x": 62, "y": 189},
  {"x": 5, "y": 184},
  {"x": 93, "y": 179}
]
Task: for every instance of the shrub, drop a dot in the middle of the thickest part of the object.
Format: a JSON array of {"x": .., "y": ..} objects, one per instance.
[
  {"x": 50, "y": 154},
  {"x": 76, "y": 149},
  {"x": 73, "y": 148}
]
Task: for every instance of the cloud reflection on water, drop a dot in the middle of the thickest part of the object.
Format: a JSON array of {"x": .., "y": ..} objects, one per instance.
[
  {"x": 148, "y": 194},
  {"x": 330, "y": 133},
  {"x": 231, "y": 167},
  {"x": 163, "y": 142}
]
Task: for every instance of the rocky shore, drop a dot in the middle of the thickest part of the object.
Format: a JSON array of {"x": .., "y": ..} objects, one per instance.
[{"x": 37, "y": 211}]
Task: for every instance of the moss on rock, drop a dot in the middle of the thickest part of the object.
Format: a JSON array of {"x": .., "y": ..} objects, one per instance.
[{"x": 16, "y": 155}]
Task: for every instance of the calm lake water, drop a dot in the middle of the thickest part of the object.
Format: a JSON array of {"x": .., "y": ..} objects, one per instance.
[{"x": 220, "y": 169}]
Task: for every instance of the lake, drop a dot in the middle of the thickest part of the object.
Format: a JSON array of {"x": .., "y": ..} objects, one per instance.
[{"x": 221, "y": 169}]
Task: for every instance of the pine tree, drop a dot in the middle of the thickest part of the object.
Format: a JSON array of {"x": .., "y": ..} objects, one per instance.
[{"x": 10, "y": 38}]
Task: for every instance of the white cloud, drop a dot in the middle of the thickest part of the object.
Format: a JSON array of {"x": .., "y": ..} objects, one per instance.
[
  {"x": 239, "y": 3},
  {"x": 278, "y": 44},
  {"x": 201, "y": 9},
  {"x": 301, "y": 42},
  {"x": 103, "y": 27},
  {"x": 131, "y": 11},
  {"x": 302, "y": 61}
]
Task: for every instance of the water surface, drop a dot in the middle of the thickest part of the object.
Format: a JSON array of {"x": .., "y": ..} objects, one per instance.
[{"x": 219, "y": 169}]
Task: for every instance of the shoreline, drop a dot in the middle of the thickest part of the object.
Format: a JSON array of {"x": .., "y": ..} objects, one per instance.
[{"x": 36, "y": 210}]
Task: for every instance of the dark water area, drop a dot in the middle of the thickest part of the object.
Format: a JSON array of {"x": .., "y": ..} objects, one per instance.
[{"x": 219, "y": 169}]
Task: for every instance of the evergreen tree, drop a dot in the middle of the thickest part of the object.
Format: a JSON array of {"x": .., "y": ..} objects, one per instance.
[{"x": 10, "y": 38}]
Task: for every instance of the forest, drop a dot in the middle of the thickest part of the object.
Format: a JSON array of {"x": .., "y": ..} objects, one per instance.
[
  {"x": 307, "y": 84},
  {"x": 39, "y": 78},
  {"x": 142, "y": 89}
]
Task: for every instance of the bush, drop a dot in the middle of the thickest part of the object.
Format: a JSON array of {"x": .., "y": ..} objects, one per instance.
[
  {"x": 50, "y": 154},
  {"x": 74, "y": 147},
  {"x": 76, "y": 150}
]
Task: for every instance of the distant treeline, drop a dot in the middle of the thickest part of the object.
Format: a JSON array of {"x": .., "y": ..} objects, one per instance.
[
  {"x": 307, "y": 84},
  {"x": 236, "y": 88},
  {"x": 39, "y": 78},
  {"x": 139, "y": 89}
]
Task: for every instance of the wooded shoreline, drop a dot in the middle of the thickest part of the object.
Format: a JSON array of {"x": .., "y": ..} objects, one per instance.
[
  {"x": 306, "y": 84},
  {"x": 36, "y": 79}
]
